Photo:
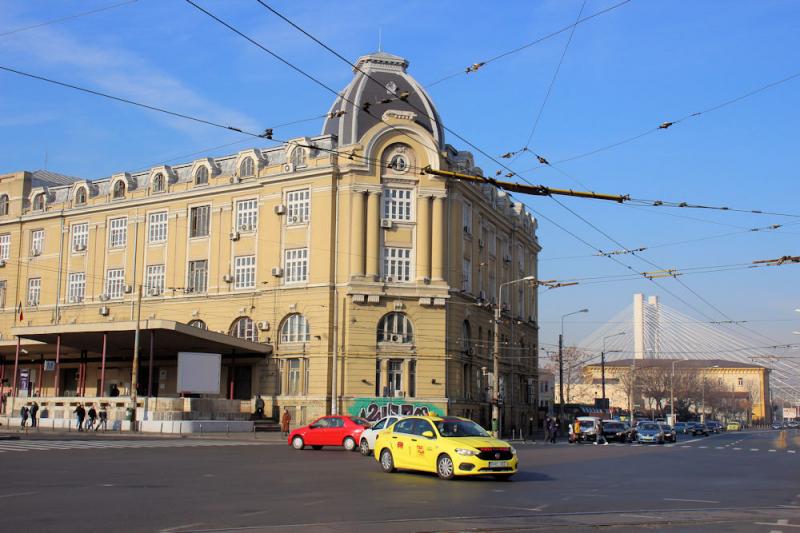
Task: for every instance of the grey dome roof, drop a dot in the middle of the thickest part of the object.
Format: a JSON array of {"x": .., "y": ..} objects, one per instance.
[{"x": 390, "y": 72}]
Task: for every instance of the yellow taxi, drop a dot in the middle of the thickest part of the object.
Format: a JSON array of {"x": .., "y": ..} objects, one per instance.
[
  {"x": 733, "y": 426},
  {"x": 448, "y": 446}
]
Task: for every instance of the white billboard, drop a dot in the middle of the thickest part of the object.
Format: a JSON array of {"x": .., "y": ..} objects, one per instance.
[
  {"x": 790, "y": 413},
  {"x": 199, "y": 373}
]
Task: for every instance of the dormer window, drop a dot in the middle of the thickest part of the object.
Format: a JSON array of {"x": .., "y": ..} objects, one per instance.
[
  {"x": 158, "y": 182},
  {"x": 201, "y": 176},
  {"x": 3, "y": 205},
  {"x": 299, "y": 158},
  {"x": 119, "y": 190},
  {"x": 247, "y": 168},
  {"x": 80, "y": 196},
  {"x": 38, "y": 202}
]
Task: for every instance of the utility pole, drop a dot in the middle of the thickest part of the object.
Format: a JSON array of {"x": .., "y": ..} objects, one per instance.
[
  {"x": 135, "y": 371},
  {"x": 561, "y": 378}
]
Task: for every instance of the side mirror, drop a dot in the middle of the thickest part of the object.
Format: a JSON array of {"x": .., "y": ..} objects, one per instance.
[{"x": 428, "y": 434}]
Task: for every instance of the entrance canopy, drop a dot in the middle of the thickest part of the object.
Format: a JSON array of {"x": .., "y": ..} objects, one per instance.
[{"x": 169, "y": 338}]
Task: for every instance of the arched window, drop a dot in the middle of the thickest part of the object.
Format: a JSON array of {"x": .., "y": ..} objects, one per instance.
[
  {"x": 158, "y": 182},
  {"x": 299, "y": 157},
  {"x": 38, "y": 202},
  {"x": 201, "y": 176},
  {"x": 119, "y": 190},
  {"x": 246, "y": 169},
  {"x": 80, "y": 196},
  {"x": 395, "y": 327},
  {"x": 244, "y": 328},
  {"x": 295, "y": 329},
  {"x": 199, "y": 324},
  {"x": 3, "y": 205},
  {"x": 466, "y": 337}
]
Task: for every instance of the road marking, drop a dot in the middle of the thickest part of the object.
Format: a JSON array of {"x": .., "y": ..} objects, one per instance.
[
  {"x": 693, "y": 501},
  {"x": 719, "y": 448},
  {"x": 791, "y": 451},
  {"x": 703, "y": 447},
  {"x": 753, "y": 449},
  {"x": 178, "y": 528},
  {"x": 16, "y": 494},
  {"x": 737, "y": 448},
  {"x": 685, "y": 446},
  {"x": 772, "y": 451},
  {"x": 781, "y": 522}
]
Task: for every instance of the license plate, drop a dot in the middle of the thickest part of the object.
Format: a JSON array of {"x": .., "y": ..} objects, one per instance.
[{"x": 498, "y": 464}]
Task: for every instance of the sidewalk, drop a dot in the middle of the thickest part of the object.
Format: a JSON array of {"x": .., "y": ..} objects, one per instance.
[{"x": 7, "y": 432}]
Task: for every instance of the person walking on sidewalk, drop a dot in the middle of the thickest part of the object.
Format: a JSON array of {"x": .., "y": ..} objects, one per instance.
[
  {"x": 553, "y": 427},
  {"x": 286, "y": 420},
  {"x": 103, "y": 418},
  {"x": 92, "y": 417},
  {"x": 23, "y": 414},
  {"x": 34, "y": 412},
  {"x": 547, "y": 429},
  {"x": 259, "y": 407},
  {"x": 80, "y": 414}
]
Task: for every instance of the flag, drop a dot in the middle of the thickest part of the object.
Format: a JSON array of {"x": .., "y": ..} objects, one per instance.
[{"x": 19, "y": 311}]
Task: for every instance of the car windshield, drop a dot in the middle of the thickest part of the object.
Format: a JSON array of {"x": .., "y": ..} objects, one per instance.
[
  {"x": 460, "y": 428},
  {"x": 613, "y": 426},
  {"x": 361, "y": 421},
  {"x": 585, "y": 424},
  {"x": 648, "y": 426},
  {"x": 666, "y": 427}
]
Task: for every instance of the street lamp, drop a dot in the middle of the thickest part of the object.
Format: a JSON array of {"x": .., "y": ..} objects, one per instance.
[
  {"x": 561, "y": 365},
  {"x": 496, "y": 355},
  {"x": 603, "y": 363}
]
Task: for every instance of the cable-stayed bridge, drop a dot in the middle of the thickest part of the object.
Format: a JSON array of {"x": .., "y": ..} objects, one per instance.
[{"x": 648, "y": 329}]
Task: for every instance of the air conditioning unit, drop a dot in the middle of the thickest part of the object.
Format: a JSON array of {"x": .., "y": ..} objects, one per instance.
[
  {"x": 294, "y": 220},
  {"x": 245, "y": 227},
  {"x": 154, "y": 292},
  {"x": 80, "y": 248},
  {"x": 227, "y": 278},
  {"x": 263, "y": 325},
  {"x": 467, "y": 230},
  {"x": 287, "y": 167},
  {"x": 399, "y": 394},
  {"x": 277, "y": 271},
  {"x": 388, "y": 279},
  {"x": 188, "y": 290},
  {"x": 236, "y": 179},
  {"x": 2, "y": 263},
  {"x": 386, "y": 223},
  {"x": 235, "y": 235},
  {"x": 480, "y": 243},
  {"x": 482, "y": 295},
  {"x": 506, "y": 259},
  {"x": 128, "y": 289},
  {"x": 104, "y": 297},
  {"x": 104, "y": 311},
  {"x": 280, "y": 209},
  {"x": 35, "y": 253},
  {"x": 395, "y": 338}
]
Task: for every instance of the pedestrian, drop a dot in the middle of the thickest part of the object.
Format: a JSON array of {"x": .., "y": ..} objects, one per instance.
[
  {"x": 80, "y": 414},
  {"x": 114, "y": 390},
  {"x": 103, "y": 418},
  {"x": 259, "y": 407},
  {"x": 572, "y": 433},
  {"x": 34, "y": 411},
  {"x": 23, "y": 414},
  {"x": 286, "y": 420},
  {"x": 547, "y": 429},
  {"x": 576, "y": 428},
  {"x": 599, "y": 437},
  {"x": 92, "y": 417},
  {"x": 553, "y": 430}
]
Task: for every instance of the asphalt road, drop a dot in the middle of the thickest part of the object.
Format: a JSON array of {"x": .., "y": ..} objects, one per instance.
[{"x": 728, "y": 482}]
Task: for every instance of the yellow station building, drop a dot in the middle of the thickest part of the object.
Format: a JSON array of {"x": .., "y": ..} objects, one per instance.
[{"x": 330, "y": 272}]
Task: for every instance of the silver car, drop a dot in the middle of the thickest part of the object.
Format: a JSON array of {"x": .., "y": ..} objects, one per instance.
[{"x": 649, "y": 432}]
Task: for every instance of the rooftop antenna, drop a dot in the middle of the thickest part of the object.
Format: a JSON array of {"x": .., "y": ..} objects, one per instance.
[{"x": 380, "y": 39}]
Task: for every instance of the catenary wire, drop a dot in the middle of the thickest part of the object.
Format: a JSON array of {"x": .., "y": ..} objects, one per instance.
[{"x": 69, "y": 17}]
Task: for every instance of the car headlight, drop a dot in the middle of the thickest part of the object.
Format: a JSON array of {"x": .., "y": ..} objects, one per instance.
[
  {"x": 465, "y": 451},
  {"x": 513, "y": 450}
]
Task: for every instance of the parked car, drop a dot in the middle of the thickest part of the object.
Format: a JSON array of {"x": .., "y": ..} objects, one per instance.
[
  {"x": 734, "y": 426},
  {"x": 714, "y": 426},
  {"x": 367, "y": 443},
  {"x": 670, "y": 435},
  {"x": 777, "y": 425},
  {"x": 331, "y": 430},
  {"x": 616, "y": 431},
  {"x": 649, "y": 432},
  {"x": 586, "y": 430},
  {"x": 680, "y": 427},
  {"x": 447, "y": 446},
  {"x": 699, "y": 429}
]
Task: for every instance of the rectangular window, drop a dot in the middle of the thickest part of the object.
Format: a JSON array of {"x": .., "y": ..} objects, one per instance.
[
  {"x": 118, "y": 232},
  {"x": 157, "y": 227},
  {"x": 34, "y": 291},
  {"x": 37, "y": 241},
  {"x": 412, "y": 379},
  {"x": 296, "y": 265},
  {"x": 115, "y": 283},
  {"x": 2, "y": 294},
  {"x": 197, "y": 279},
  {"x": 395, "y": 376},
  {"x": 397, "y": 204},
  {"x": 397, "y": 264},
  {"x": 741, "y": 381},
  {"x": 298, "y": 206},
  {"x": 492, "y": 238},
  {"x": 80, "y": 237},
  {"x": 5, "y": 246},
  {"x": 154, "y": 280},
  {"x": 76, "y": 286},
  {"x": 466, "y": 276},
  {"x": 244, "y": 271},
  {"x": 198, "y": 221},
  {"x": 466, "y": 217},
  {"x": 246, "y": 215},
  {"x": 294, "y": 377}
]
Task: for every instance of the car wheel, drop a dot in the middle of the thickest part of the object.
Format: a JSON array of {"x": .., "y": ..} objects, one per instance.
[
  {"x": 503, "y": 477},
  {"x": 364, "y": 448},
  {"x": 445, "y": 467},
  {"x": 297, "y": 443},
  {"x": 349, "y": 444},
  {"x": 317, "y": 447},
  {"x": 387, "y": 461}
]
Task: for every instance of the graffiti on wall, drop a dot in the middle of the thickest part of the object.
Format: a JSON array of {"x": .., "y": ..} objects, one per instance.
[{"x": 376, "y": 408}]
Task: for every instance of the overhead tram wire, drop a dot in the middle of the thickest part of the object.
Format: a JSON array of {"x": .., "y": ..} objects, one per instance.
[
  {"x": 476, "y": 66},
  {"x": 62, "y": 19}
]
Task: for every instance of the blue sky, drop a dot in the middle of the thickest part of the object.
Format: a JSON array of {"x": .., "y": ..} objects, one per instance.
[{"x": 625, "y": 72}]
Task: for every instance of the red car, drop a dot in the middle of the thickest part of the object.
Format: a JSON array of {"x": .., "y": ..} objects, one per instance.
[{"x": 330, "y": 430}]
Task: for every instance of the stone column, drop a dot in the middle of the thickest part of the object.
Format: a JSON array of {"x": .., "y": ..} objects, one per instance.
[
  {"x": 373, "y": 224},
  {"x": 357, "y": 235},
  {"x": 384, "y": 375},
  {"x": 437, "y": 239},
  {"x": 423, "y": 267}
]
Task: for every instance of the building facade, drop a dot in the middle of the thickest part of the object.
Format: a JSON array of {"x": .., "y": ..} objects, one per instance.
[{"x": 373, "y": 282}]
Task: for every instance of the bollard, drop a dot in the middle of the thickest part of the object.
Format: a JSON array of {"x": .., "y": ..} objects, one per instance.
[
  {"x": 162, "y": 428},
  {"x": 227, "y": 430},
  {"x": 201, "y": 428},
  {"x": 254, "y": 431}
]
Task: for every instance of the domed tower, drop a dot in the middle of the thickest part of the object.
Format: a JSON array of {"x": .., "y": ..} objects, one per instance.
[{"x": 381, "y": 83}]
